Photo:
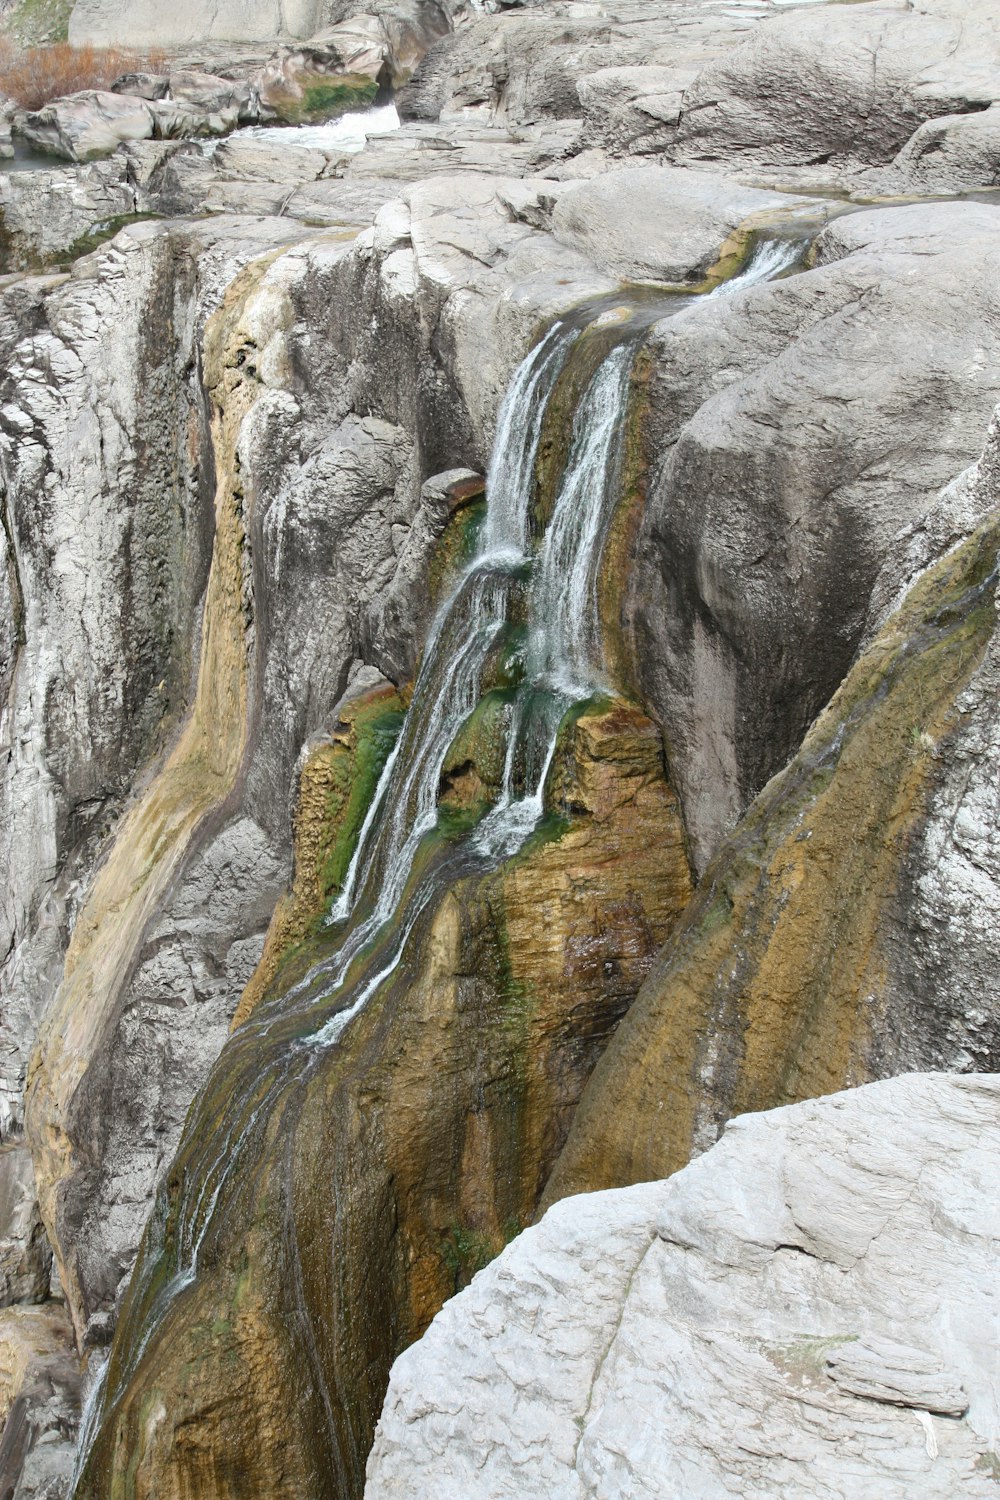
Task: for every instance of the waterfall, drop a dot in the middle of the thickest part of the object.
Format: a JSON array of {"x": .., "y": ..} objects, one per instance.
[{"x": 404, "y": 861}]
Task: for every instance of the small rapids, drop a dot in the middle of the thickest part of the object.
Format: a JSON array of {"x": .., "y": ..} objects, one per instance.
[
  {"x": 348, "y": 133},
  {"x": 531, "y": 589}
]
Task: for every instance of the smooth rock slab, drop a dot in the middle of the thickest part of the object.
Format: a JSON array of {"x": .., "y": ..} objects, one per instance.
[
  {"x": 811, "y": 1309},
  {"x": 655, "y": 223}
]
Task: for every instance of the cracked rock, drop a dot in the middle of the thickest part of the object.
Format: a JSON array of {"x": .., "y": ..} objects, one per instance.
[{"x": 808, "y": 1309}]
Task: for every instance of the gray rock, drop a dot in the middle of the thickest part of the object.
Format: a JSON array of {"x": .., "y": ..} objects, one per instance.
[
  {"x": 655, "y": 223},
  {"x": 145, "y": 23},
  {"x": 99, "y": 370},
  {"x": 48, "y": 213},
  {"x": 805, "y": 86},
  {"x": 396, "y": 623},
  {"x": 952, "y": 151},
  {"x": 213, "y": 95},
  {"x": 774, "y": 94},
  {"x": 806, "y": 1309},
  {"x": 89, "y": 124},
  {"x": 25, "y": 1257},
  {"x": 142, "y": 85},
  {"x": 940, "y": 940},
  {"x": 881, "y": 1369},
  {"x": 775, "y": 496},
  {"x": 635, "y": 110},
  {"x": 39, "y": 1402}
]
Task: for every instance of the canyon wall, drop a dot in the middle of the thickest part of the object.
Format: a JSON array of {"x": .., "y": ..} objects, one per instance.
[{"x": 249, "y": 400}]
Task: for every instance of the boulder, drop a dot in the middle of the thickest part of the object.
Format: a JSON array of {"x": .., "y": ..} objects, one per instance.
[
  {"x": 89, "y": 124},
  {"x": 808, "y": 1309},
  {"x": 952, "y": 151},
  {"x": 214, "y": 95},
  {"x": 142, "y": 85}
]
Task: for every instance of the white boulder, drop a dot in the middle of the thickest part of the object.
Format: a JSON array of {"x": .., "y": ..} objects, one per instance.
[{"x": 809, "y": 1309}]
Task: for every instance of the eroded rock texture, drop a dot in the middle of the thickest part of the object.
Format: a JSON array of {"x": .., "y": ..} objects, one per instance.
[
  {"x": 807, "y": 1309},
  {"x": 104, "y": 22},
  {"x": 814, "y": 954},
  {"x": 774, "y": 498},
  {"x": 242, "y": 459}
]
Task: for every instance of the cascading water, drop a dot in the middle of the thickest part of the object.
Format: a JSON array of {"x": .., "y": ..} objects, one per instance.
[{"x": 403, "y": 861}]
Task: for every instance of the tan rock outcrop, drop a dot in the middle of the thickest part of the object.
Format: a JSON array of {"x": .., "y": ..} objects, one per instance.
[{"x": 807, "y": 960}]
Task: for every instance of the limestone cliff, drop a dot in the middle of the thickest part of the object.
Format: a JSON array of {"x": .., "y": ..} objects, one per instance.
[
  {"x": 128, "y": 23},
  {"x": 249, "y": 393},
  {"x": 814, "y": 953}
]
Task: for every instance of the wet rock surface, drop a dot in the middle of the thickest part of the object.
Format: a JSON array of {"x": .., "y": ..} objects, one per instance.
[{"x": 814, "y": 954}]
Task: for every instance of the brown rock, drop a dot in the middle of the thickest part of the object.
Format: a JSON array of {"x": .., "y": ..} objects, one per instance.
[
  {"x": 775, "y": 986},
  {"x": 382, "y": 1172}
]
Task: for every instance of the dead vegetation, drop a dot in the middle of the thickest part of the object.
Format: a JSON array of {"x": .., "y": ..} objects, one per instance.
[{"x": 33, "y": 76}]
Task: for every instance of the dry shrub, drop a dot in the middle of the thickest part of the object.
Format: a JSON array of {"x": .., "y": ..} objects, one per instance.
[{"x": 32, "y": 76}]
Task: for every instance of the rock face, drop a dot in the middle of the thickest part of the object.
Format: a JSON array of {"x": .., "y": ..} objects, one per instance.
[
  {"x": 39, "y": 1401},
  {"x": 807, "y": 1309},
  {"x": 772, "y": 504},
  {"x": 128, "y": 23},
  {"x": 459, "y": 1078},
  {"x": 814, "y": 954},
  {"x": 242, "y": 461}
]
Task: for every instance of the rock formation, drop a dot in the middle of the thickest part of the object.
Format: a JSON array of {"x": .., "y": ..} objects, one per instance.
[
  {"x": 814, "y": 954},
  {"x": 807, "y": 1309},
  {"x": 141, "y": 22},
  {"x": 650, "y": 259}
]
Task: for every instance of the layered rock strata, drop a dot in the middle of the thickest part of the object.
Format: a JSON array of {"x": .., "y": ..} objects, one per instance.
[{"x": 280, "y": 497}]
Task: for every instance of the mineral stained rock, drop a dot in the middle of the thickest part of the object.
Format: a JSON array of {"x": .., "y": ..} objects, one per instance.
[
  {"x": 769, "y": 430},
  {"x": 843, "y": 931},
  {"x": 808, "y": 1309},
  {"x": 242, "y": 452},
  {"x": 432, "y": 1126}
]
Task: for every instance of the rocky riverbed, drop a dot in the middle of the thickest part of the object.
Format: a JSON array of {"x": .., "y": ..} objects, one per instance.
[{"x": 497, "y": 634}]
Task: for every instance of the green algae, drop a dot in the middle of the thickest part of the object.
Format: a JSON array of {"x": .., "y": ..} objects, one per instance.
[
  {"x": 353, "y": 785},
  {"x": 456, "y": 547},
  {"x": 320, "y": 97}
]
